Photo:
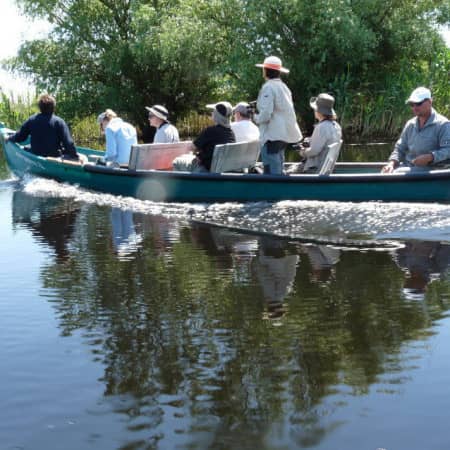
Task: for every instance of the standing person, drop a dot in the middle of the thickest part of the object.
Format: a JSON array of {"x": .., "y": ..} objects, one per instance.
[
  {"x": 49, "y": 134},
  {"x": 425, "y": 139},
  {"x": 326, "y": 132},
  {"x": 276, "y": 117},
  {"x": 243, "y": 127},
  {"x": 165, "y": 131},
  {"x": 119, "y": 135}
]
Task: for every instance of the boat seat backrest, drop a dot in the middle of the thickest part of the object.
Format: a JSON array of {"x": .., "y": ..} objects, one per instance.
[
  {"x": 235, "y": 156},
  {"x": 331, "y": 158},
  {"x": 156, "y": 156}
]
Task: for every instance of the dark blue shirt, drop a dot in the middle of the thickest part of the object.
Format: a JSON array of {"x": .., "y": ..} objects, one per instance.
[
  {"x": 50, "y": 136},
  {"x": 208, "y": 139}
]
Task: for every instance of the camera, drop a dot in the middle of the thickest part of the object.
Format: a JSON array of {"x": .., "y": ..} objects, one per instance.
[
  {"x": 252, "y": 107},
  {"x": 306, "y": 142}
]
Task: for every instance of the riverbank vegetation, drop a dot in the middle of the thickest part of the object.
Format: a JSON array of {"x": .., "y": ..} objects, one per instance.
[{"x": 184, "y": 54}]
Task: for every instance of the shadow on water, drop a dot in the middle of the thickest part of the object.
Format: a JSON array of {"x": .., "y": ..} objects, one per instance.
[{"x": 215, "y": 339}]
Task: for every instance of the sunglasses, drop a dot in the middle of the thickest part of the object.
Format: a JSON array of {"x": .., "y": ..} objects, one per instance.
[{"x": 412, "y": 104}]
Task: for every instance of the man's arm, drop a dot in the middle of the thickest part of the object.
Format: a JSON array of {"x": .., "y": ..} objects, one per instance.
[
  {"x": 22, "y": 134},
  {"x": 111, "y": 145},
  {"x": 67, "y": 141},
  {"x": 442, "y": 153},
  {"x": 398, "y": 154}
]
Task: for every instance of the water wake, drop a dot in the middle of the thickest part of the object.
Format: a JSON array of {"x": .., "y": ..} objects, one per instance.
[{"x": 304, "y": 220}]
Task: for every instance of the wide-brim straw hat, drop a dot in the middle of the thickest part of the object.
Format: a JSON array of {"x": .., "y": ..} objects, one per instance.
[
  {"x": 273, "y": 62},
  {"x": 323, "y": 104},
  {"x": 158, "y": 111}
]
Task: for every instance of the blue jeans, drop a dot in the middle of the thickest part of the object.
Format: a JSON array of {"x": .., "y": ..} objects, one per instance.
[{"x": 272, "y": 156}]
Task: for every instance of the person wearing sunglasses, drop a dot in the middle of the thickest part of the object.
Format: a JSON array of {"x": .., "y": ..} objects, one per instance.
[{"x": 425, "y": 139}]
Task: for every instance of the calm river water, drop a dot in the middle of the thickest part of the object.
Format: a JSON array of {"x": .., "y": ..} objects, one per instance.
[{"x": 137, "y": 325}]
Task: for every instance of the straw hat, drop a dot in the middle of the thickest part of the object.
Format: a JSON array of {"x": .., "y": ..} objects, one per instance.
[
  {"x": 273, "y": 62},
  {"x": 158, "y": 111}
]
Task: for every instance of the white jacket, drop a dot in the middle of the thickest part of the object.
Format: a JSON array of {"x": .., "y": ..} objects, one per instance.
[{"x": 276, "y": 117}]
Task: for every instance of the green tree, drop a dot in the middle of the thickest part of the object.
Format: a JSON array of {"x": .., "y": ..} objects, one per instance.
[{"x": 125, "y": 54}]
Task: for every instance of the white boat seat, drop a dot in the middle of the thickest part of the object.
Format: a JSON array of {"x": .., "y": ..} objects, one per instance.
[
  {"x": 331, "y": 158},
  {"x": 235, "y": 156},
  {"x": 156, "y": 156}
]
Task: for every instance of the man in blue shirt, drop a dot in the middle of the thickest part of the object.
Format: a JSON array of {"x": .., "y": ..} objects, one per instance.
[{"x": 49, "y": 134}]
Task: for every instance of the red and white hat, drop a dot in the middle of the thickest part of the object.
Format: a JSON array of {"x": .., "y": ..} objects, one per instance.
[{"x": 273, "y": 62}]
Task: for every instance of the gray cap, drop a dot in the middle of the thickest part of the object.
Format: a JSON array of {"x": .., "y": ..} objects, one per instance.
[{"x": 242, "y": 108}]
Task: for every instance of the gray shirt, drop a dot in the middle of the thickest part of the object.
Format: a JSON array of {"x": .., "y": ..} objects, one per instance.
[
  {"x": 433, "y": 138},
  {"x": 166, "y": 133},
  {"x": 325, "y": 133}
]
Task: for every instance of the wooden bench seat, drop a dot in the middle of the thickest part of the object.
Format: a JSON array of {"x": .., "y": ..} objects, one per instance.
[{"x": 156, "y": 156}]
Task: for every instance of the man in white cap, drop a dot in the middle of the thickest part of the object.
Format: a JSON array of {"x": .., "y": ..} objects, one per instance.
[
  {"x": 276, "y": 116},
  {"x": 165, "y": 131},
  {"x": 119, "y": 136},
  {"x": 243, "y": 127},
  {"x": 425, "y": 139}
]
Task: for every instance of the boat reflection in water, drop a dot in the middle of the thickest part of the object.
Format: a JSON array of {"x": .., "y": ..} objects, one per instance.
[
  {"x": 51, "y": 220},
  {"x": 422, "y": 262},
  {"x": 276, "y": 269},
  {"x": 124, "y": 237}
]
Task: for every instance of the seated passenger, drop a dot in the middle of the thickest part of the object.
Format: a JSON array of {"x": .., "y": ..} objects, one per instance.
[
  {"x": 165, "y": 131},
  {"x": 203, "y": 147},
  {"x": 425, "y": 139},
  {"x": 119, "y": 135},
  {"x": 243, "y": 127},
  {"x": 326, "y": 132},
  {"x": 49, "y": 134}
]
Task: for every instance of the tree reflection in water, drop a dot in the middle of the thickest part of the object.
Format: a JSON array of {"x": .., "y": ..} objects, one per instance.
[{"x": 177, "y": 325}]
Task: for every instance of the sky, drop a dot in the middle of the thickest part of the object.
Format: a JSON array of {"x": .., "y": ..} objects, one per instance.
[{"x": 16, "y": 29}]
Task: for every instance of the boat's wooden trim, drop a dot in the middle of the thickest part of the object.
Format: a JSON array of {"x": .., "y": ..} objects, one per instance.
[{"x": 58, "y": 160}]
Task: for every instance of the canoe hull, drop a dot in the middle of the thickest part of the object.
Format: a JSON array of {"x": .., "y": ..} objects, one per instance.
[{"x": 208, "y": 187}]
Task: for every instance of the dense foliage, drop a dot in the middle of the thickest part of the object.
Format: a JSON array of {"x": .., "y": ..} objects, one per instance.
[{"x": 126, "y": 54}]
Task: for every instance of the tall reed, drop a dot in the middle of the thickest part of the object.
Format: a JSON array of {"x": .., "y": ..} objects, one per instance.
[{"x": 14, "y": 110}]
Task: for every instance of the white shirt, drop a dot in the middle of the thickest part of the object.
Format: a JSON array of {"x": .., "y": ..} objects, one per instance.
[
  {"x": 166, "y": 133},
  {"x": 245, "y": 131},
  {"x": 276, "y": 118}
]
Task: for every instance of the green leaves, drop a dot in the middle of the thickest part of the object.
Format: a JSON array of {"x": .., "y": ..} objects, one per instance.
[{"x": 125, "y": 54}]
